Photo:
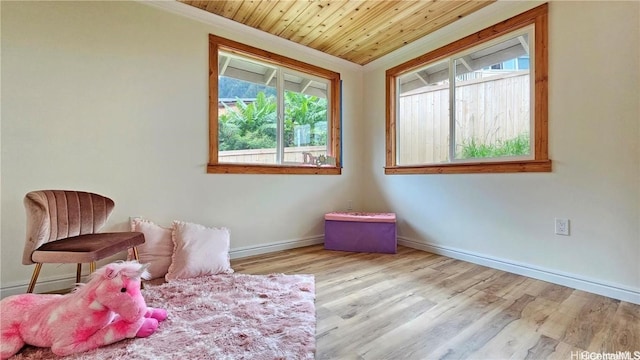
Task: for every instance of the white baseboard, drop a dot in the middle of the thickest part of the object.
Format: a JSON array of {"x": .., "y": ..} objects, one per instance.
[
  {"x": 573, "y": 281},
  {"x": 68, "y": 281},
  {"x": 245, "y": 251}
]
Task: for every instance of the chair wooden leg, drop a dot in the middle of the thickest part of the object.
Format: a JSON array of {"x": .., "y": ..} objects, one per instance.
[
  {"x": 135, "y": 254},
  {"x": 34, "y": 277},
  {"x": 78, "y": 273},
  {"x": 92, "y": 267}
]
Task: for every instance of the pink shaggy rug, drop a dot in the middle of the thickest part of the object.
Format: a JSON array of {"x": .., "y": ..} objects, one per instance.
[{"x": 235, "y": 316}]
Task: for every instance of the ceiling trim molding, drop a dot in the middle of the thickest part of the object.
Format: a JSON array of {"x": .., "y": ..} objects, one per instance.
[{"x": 260, "y": 37}]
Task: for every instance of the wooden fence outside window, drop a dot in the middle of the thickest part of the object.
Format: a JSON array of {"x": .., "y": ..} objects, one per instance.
[{"x": 488, "y": 111}]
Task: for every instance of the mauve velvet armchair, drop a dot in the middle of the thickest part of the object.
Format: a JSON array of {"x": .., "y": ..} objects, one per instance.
[{"x": 62, "y": 227}]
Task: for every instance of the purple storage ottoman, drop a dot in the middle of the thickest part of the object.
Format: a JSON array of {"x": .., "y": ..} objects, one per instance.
[{"x": 360, "y": 232}]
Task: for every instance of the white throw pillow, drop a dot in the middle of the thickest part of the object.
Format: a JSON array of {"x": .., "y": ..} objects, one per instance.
[
  {"x": 157, "y": 248},
  {"x": 198, "y": 250}
]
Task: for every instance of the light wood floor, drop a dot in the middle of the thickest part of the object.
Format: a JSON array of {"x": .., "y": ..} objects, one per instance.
[{"x": 417, "y": 305}]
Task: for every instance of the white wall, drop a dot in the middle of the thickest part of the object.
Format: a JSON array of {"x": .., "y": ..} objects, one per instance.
[
  {"x": 506, "y": 220},
  {"x": 112, "y": 97}
]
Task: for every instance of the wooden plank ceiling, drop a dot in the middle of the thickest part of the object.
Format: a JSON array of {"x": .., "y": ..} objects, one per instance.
[{"x": 355, "y": 30}]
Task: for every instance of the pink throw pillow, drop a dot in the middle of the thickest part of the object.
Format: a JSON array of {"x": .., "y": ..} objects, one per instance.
[
  {"x": 198, "y": 250},
  {"x": 157, "y": 248}
]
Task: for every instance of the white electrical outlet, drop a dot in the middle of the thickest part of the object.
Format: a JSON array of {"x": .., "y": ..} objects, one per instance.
[
  {"x": 349, "y": 207},
  {"x": 562, "y": 226}
]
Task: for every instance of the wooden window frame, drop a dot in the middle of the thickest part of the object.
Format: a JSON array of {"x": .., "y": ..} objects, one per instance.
[
  {"x": 217, "y": 43},
  {"x": 538, "y": 17}
]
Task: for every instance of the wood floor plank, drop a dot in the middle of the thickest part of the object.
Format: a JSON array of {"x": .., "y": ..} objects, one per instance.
[
  {"x": 538, "y": 312},
  {"x": 415, "y": 338},
  {"x": 372, "y": 325},
  {"x": 490, "y": 330},
  {"x": 513, "y": 342},
  {"x": 542, "y": 349},
  {"x": 502, "y": 283},
  {"x": 418, "y": 305},
  {"x": 562, "y": 315},
  {"x": 564, "y": 351},
  {"x": 557, "y": 293},
  {"x": 460, "y": 282},
  {"x": 625, "y": 329},
  {"x": 591, "y": 323}
]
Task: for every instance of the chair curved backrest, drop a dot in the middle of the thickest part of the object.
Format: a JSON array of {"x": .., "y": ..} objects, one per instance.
[{"x": 58, "y": 214}]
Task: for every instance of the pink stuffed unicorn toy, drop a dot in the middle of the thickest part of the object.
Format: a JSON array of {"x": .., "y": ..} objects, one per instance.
[{"x": 107, "y": 309}]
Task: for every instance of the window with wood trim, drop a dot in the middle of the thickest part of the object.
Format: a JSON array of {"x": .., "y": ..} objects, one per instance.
[
  {"x": 269, "y": 114},
  {"x": 478, "y": 105}
]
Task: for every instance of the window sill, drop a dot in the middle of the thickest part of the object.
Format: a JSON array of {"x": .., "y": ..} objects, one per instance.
[
  {"x": 272, "y": 169},
  {"x": 473, "y": 168}
]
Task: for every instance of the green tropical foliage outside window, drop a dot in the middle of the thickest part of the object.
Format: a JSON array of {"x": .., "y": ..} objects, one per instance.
[
  {"x": 518, "y": 146},
  {"x": 253, "y": 125}
]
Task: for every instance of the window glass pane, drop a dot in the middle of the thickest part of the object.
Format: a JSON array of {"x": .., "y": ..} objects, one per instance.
[
  {"x": 422, "y": 128},
  {"x": 492, "y": 101},
  {"x": 305, "y": 120},
  {"x": 247, "y": 111},
  {"x": 248, "y": 114}
]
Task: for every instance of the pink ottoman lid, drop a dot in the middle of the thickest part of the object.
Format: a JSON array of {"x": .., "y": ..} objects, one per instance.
[{"x": 361, "y": 217}]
